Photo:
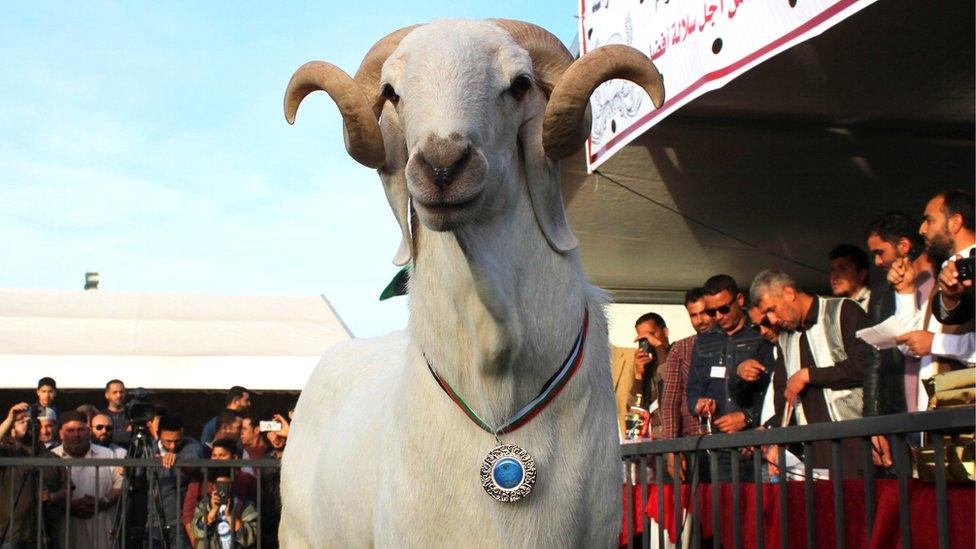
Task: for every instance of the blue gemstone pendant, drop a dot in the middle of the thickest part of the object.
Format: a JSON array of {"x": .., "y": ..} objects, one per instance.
[{"x": 508, "y": 473}]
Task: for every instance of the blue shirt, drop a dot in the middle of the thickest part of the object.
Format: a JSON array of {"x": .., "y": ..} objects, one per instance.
[{"x": 714, "y": 359}]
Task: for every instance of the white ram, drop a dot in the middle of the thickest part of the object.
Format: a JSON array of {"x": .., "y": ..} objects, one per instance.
[{"x": 475, "y": 117}]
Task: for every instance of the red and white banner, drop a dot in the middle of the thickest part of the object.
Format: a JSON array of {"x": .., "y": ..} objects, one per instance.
[{"x": 698, "y": 45}]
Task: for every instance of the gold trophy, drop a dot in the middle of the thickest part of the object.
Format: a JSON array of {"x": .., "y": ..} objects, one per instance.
[{"x": 637, "y": 420}]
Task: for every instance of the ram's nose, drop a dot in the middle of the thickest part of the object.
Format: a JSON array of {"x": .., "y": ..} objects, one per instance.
[{"x": 442, "y": 160}]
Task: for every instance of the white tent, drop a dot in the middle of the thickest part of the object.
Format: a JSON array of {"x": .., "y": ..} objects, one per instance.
[{"x": 163, "y": 341}]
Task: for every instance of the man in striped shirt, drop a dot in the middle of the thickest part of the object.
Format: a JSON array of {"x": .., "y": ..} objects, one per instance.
[{"x": 676, "y": 419}]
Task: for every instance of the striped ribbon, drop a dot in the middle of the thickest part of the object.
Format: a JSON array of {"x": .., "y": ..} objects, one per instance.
[{"x": 548, "y": 393}]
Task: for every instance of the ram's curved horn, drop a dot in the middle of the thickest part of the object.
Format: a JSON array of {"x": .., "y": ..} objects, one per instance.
[
  {"x": 359, "y": 126},
  {"x": 359, "y": 100},
  {"x": 368, "y": 75},
  {"x": 550, "y": 58},
  {"x": 567, "y": 122}
]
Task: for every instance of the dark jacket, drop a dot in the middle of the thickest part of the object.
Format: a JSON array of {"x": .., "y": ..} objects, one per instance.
[
  {"x": 715, "y": 350},
  {"x": 884, "y": 379}
]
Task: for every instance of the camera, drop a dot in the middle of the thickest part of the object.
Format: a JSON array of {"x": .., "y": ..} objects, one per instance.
[
  {"x": 139, "y": 409},
  {"x": 644, "y": 345},
  {"x": 269, "y": 426},
  {"x": 34, "y": 411},
  {"x": 966, "y": 266},
  {"x": 223, "y": 491}
]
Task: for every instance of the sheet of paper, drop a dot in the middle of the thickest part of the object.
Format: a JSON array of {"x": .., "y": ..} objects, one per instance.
[
  {"x": 653, "y": 407},
  {"x": 882, "y": 336}
]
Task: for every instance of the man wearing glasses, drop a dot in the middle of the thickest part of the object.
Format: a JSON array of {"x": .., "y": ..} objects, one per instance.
[
  {"x": 103, "y": 429},
  {"x": 716, "y": 355}
]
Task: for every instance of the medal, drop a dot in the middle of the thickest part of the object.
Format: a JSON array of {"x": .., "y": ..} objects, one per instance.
[{"x": 509, "y": 472}]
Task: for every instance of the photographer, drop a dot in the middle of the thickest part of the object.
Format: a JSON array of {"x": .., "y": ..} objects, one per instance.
[
  {"x": 222, "y": 520},
  {"x": 271, "y": 484},
  {"x": 948, "y": 230},
  {"x": 954, "y": 301},
  {"x": 14, "y": 425},
  {"x": 18, "y": 484},
  {"x": 244, "y": 485},
  {"x": 278, "y": 439}
]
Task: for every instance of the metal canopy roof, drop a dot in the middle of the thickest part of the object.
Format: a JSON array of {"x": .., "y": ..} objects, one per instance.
[{"x": 788, "y": 160}]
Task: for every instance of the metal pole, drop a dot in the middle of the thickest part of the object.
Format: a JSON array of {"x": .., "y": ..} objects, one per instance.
[{"x": 941, "y": 505}]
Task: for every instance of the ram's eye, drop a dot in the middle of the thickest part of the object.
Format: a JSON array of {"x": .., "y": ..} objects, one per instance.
[
  {"x": 390, "y": 94},
  {"x": 520, "y": 86}
]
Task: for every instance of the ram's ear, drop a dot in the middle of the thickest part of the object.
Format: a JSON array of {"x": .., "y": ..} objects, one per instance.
[
  {"x": 394, "y": 177},
  {"x": 544, "y": 185}
]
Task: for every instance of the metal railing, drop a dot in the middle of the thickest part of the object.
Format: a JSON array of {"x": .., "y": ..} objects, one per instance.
[
  {"x": 201, "y": 468},
  {"x": 896, "y": 427},
  {"x": 642, "y": 455}
]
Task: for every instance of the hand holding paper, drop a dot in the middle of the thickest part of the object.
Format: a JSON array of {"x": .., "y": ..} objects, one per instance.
[{"x": 884, "y": 335}]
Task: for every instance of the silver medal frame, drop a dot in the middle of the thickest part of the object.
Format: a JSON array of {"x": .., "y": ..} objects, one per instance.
[{"x": 518, "y": 492}]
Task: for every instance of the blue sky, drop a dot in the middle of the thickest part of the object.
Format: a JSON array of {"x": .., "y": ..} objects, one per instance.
[{"x": 146, "y": 141}]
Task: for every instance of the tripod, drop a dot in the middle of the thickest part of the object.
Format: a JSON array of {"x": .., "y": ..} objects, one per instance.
[
  {"x": 141, "y": 503},
  {"x": 38, "y": 529}
]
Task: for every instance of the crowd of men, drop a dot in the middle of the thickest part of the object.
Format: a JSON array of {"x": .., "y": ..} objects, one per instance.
[
  {"x": 772, "y": 354},
  {"x": 166, "y": 506},
  {"x": 762, "y": 357}
]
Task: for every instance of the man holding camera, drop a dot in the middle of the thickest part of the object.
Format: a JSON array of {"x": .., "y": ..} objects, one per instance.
[
  {"x": 651, "y": 353},
  {"x": 948, "y": 230},
  {"x": 20, "y": 530},
  {"x": 953, "y": 304},
  {"x": 243, "y": 487},
  {"x": 221, "y": 520}
]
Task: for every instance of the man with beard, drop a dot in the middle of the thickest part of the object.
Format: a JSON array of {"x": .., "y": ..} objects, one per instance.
[
  {"x": 115, "y": 410},
  {"x": 676, "y": 419},
  {"x": 823, "y": 360},
  {"x": 94, "y": 494},
  {"x": 892, "y": 238},
  {"x": 102, "y": 429},
  {"x": 714, "y": 358},
  {"x": 947, "y": 228}
]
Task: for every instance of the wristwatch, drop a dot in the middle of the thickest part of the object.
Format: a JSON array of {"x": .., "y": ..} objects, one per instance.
[{"x": 749, "y": 419}]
